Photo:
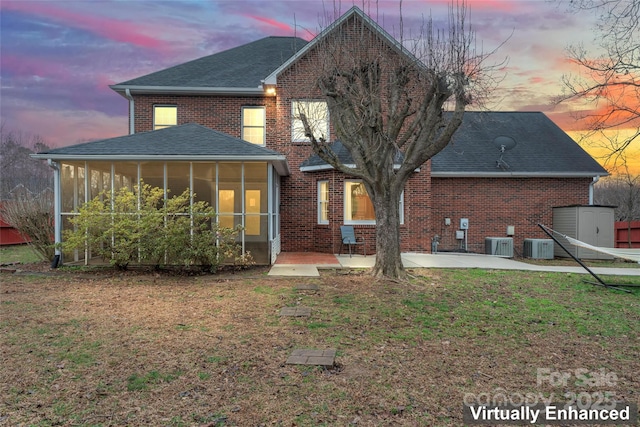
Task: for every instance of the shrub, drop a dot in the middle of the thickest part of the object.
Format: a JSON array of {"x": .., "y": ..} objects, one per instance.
[
  {"x": 142, "y": 227},
  {"x": 32, "y": 216}
]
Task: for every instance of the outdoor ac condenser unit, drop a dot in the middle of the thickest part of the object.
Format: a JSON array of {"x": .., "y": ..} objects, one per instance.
[
  {"x": 538, "y": 248},
  {"x": 500, "y": 246}
]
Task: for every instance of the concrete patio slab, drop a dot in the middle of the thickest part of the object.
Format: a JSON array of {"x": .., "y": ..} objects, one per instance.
[
  {"x": 311, "y": 357},
  {"x": 307, "y": 270},
  {"x": 447, "y": 260},
  {"x": 296, "y": 311}
]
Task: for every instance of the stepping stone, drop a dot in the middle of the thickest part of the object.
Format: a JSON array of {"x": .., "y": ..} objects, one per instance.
[
  {"x": 307, "y": 287},
  {"x": 296, "y": 311},
  {"x": 324, "y": 358}
]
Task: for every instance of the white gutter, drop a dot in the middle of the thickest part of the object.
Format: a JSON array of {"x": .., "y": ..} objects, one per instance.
[
  {"x": 513, "y": 174},
  {"x": 132, "y": 116},
  {"x": 57, "y": 217},
  {"x": 190, "y": 90},
  {"x": 278, "y": 161},
  {"x": 593, "y": 183}
]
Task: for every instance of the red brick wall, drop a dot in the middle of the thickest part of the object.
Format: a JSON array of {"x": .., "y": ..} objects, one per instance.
[{"x": 491, "y": 204}]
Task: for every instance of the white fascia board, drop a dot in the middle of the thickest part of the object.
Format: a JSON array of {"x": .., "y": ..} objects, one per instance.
[
  {"x": 516, "y": 174},
  {"x": 272, "y": 78},
  {"x": 279, "y": 162},
  {"x": 182, "y": 90}
]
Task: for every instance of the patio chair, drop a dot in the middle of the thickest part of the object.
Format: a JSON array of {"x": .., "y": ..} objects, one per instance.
[{"x": 349, "y": 238}]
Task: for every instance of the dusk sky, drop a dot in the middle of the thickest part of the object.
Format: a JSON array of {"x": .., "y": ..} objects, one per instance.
[{"x": 58, "y": 58}]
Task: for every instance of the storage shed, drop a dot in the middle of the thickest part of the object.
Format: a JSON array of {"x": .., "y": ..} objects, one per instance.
[{"x": 591, "y": 224}]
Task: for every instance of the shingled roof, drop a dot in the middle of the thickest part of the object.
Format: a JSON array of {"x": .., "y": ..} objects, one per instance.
[
  {"x": 188, "y": 142},
  {"x": 242, "y": 67},
  {"x": 541, "y": 149}
]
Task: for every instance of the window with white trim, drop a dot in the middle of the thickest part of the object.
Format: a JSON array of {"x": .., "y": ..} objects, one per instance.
[
  {"x": 358, "y": 208},
  {"x": 253, "y": 125},
  {"x": 317, "y": 115},
  {"x": 323, "y": 202},
  {"x": 164, "y": 116}
]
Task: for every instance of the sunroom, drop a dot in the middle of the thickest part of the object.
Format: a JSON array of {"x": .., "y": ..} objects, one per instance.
[{"x": 238, "y": 179}]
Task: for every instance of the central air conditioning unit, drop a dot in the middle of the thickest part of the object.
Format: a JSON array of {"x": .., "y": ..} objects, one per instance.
[
  {"x": 499, "y": 246},
  {"x": 538, "y": 248}
]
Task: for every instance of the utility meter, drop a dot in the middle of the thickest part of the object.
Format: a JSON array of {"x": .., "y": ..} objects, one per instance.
[{"x": 464, "y": 223}]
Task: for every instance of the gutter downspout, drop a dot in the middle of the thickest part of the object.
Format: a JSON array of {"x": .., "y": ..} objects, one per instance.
[
  {"x": 132, "y": 128},
  {"x": 57, "y": 217},
  {"x": 593, "y": 182}
]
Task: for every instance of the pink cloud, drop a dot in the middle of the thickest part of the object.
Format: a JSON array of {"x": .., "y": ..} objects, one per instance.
[
  {"x": 112, "y": 29},
  {"x": 284, "y": 28},
  {"x": 31, "y": 67}
]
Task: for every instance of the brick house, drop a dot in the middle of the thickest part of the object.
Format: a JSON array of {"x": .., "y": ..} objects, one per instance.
[{"x": 225, "y": 126}]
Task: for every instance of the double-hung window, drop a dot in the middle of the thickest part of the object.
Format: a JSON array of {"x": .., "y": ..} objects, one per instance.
[
  {"x": 358, "y": 208},
  {"x": 316, "y": 114},
  {"x": 164, "y": 116},
  {"x": 253, "y": 125},
  {"x": 323, "y": 202}
]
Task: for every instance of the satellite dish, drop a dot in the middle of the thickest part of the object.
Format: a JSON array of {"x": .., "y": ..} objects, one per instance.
[{"x": 503, "y": 143}]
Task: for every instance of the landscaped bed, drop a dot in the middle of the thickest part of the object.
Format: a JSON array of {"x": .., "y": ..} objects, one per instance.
[{"x": 132, "y": 348}]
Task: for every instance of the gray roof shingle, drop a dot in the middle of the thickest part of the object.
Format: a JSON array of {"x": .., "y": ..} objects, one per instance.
[
  {"x": 542, "y": 148},
  {"x": 240, "y": 67},
  {"x": 185, "y": 142}
]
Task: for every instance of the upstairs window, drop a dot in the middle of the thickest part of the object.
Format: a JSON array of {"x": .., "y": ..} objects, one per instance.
[
  {"x": 253, "y": 125},
  {"x": 317, "y": 115},
  {"x": 164, "y": 116}
]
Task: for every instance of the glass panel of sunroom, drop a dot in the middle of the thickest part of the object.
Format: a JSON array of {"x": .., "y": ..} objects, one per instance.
[
  {"x": 230, "y": 194},
  {"x": 152, "y": 173},
  {"x": 204, "y": 183},
  {"x": 100, "y": 179},
  {"x": 177, "y": 178},
  {"x": 126, "y": 175}
]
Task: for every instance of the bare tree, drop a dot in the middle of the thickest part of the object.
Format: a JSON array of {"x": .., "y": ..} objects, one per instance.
[
  {"x": 17, "y": 168},
  {"x": 610, "y": 80},
  {"x": 387, "y": 102},
  {"x": 621, "y": 190}
]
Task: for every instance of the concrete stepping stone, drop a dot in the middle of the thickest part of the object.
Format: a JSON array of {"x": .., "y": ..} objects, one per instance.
[
  {"x": 324, "y": 358},
  {"x": 307, "y": 287},
  {"x": 296, "y": 311}
]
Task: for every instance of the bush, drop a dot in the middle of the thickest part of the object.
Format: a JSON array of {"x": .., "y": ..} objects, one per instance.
[
  {"x": 141, "y": 227},
  {"x": 32, "y": 216}
]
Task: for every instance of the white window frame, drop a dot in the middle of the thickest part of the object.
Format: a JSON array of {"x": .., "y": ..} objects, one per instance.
[
  {"x": 296, "y": 123},
  {"x": 264, "y": 123},
  {"x": 156, "y": 125},
  {"x": 323, "y": 204},
  {"x": 366, "y": 222}
]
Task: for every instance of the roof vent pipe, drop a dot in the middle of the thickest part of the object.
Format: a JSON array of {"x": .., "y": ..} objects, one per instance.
[{"x": 132, "y": 128}]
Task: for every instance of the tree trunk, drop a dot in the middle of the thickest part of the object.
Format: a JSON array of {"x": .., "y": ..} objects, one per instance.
[{"x": 388, "y": 260}]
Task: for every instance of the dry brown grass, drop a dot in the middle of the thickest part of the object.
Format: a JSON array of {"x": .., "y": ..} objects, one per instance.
[{"x": 115, "y": 349}]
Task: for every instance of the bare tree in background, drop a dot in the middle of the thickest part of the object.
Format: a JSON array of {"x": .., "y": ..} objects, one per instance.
[
  {"x": 387, "y": 106},
  {"x": 609, "y": 80},
  {"x": 17, "y": 168},
  {"x": 621, "y": 190}
]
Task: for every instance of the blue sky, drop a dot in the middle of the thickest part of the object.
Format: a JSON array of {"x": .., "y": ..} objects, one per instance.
[{"x": 58, "y": 57}]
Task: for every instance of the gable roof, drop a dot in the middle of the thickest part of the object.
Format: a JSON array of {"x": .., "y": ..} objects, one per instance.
[
  {"x": 237, "y": 70},
  {"x": 542, "y": 149},
  {"x": 354, "y": 12},
  {"x": 188, "y": 142}
]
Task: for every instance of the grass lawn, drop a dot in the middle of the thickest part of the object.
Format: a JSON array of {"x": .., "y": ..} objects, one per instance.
[
  {"x": 23, "y": 254},
  {"x": 114, "y": 349}
]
